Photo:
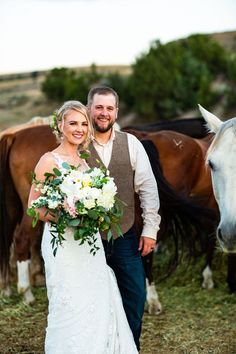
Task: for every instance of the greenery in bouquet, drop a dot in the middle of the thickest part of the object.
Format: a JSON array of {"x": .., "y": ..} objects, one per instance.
[{"x": 84, "y": 201}]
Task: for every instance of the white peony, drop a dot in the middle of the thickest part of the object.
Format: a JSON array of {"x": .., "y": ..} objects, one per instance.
[
  {"x": 106, "y": 200},
  {"x": 110, "y": 187},
  {"x": 89, "y": 193},
  {"x": 68, "y": 186},
  {"x": 96, "y": 172}
]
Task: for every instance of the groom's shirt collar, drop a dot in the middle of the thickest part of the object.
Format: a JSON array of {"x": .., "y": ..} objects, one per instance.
[{"x": 110, "y": 141}]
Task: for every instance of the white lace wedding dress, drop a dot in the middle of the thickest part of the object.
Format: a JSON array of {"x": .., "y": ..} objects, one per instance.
[{"x": 86, "y": 314}]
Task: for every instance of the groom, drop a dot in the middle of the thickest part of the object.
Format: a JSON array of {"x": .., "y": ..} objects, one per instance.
[{"x": 126, "y": 159}]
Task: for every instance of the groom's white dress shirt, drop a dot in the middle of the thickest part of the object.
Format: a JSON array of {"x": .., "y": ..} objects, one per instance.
[{"x": 144, "y": 181}]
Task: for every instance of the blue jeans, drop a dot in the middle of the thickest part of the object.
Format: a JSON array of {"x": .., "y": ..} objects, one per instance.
[{"x": 124, "y": 258}]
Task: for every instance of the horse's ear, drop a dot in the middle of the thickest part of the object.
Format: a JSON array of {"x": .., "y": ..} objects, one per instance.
[{"x": 213, "y": 123}]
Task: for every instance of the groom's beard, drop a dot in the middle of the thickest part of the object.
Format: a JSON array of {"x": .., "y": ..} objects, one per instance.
[{"x": 102, "y": 130}]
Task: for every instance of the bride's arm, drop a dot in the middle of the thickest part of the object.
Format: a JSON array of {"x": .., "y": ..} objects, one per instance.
[{"x": 45, "y": 164}]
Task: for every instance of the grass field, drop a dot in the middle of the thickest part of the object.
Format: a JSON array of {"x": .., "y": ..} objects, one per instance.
[
  {"x": 194, "y": 320},
  {"x": 21, "y": 97},
  {"x": 20, "y": 100}
]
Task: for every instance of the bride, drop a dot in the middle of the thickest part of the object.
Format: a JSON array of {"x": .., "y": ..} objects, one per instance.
[{"x": 85, "y": 314}]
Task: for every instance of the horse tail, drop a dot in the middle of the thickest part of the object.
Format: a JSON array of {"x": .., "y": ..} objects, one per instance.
[
  {"x": 9, "y": 205},
  {"x": 182, "y": 217}
]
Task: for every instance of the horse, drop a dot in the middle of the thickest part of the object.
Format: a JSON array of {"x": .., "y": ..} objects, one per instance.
[
  {"x": 183, "y": 162},
  {"x": 222, "y": 163},
  {"x": 32, "y": 122},
  {"x": 19, "y": 153},
  {"x": 17, "y": 161},
  {"x": 194, "y": 127},
  {"x": 182, "y": 159}
]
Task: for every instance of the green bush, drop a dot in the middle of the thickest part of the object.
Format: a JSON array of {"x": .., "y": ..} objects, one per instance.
[
  {"x": 62, "y": 84},
  {"x": 165, "y": 82},
  {"x": 174, "y": 77}
]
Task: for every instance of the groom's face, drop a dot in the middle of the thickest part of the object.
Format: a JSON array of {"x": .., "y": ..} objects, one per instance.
[{"x": 103, "y": 112}]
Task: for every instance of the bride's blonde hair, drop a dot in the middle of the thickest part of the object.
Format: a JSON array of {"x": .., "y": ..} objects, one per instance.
[{"x": 60, "y": 114}]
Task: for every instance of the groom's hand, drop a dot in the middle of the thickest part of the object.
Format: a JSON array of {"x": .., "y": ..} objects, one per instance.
[{"x": 146, "y": 245}]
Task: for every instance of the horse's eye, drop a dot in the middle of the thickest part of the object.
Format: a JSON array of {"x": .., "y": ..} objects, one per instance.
[{"x": 211, "y": 165}]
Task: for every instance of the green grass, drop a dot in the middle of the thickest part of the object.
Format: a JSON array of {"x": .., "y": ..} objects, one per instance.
[
  {"x": 21, "y": 326},
  {"x": 193, "y": 320}
]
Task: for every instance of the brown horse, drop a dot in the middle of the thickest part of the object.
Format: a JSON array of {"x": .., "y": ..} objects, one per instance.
[
  {"x": 19, "y": 153},
  {"x": 194, "y": 127},
  {"x": 18, "y": 157},
  {"x": 183, "y": 162}
]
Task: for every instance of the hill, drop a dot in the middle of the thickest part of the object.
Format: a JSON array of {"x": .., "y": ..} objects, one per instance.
[
  {"x": 21, "y": 97},
  {"x": 226, "y": 39}
]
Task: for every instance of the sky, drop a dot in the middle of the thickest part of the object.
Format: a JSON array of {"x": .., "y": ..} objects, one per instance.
[{"x": 43, "y": 34}]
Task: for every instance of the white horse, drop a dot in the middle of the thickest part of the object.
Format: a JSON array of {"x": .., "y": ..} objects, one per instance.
[{"x": 221, "y": 158}]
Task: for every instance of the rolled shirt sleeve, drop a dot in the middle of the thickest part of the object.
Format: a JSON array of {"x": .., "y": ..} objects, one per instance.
[{"x": 146, "y": 187}]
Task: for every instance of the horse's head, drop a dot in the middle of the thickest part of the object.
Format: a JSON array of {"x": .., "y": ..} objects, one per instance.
[{"x": 221, "y": 158}]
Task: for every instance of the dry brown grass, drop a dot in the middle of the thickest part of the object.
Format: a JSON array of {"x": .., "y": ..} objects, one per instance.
[
  {"x": 21, "y": 97},
  {"x": 20, "y": 100},
  {"x": 194, "y": 321}
]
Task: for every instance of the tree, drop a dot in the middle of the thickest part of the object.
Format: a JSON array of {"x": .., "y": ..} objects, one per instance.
[
  {"x": 174, "y": 77},
  {"x": 55, "y": 83},
  {"x": 62, "y": 84}
]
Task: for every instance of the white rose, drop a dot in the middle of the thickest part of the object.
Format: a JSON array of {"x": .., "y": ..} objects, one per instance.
[{"x": 89, "y": 203}]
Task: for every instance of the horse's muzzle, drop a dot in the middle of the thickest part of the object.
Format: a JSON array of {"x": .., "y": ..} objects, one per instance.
[{"x": 227, "y": 238}]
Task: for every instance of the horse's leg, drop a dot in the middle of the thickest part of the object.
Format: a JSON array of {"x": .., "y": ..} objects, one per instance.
[
  {"x": 22, "y": 240},
  {"x": 154, "y": 305},
  {"x": 5, "y": 285},
  {"x": 36, "y": 266},
  {"x": 231, "y": 275},
  {"x": 208, "y": 282}
]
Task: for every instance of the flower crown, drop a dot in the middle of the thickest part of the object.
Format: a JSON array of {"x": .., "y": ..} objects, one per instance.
[{"x": 54, "y": 125}]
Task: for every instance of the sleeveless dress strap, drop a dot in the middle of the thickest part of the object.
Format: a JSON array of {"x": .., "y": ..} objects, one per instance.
[
  {"x": 57, "y": 158},
  {"x": 59, "y": 161}
]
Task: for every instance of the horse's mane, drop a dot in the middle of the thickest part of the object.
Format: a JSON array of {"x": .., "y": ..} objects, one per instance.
[
  {"x": 231, "y": 123},
  {"x": 31, "y": 123},
  {"x": 182, "y": 217}
]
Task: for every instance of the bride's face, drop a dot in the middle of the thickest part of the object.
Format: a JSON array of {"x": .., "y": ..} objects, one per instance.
[{"x": 74, "y": 127}]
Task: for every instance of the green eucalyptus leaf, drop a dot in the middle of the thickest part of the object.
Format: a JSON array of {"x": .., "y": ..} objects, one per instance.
[
  {"x": 30, "y": 212},
  {"x": 118, "y": 230},
  {"x": 84, "y": 155},
  {"x": 57, "y": 172},
  {"x": 74, "y": 222},
  {"x": 66, "y": 165},
  {"x": 56, "y": 181},
  {"x": 109, "y": 235},
  {"x": 93, "y": 214},
  {"x": 48, "y": 174}
]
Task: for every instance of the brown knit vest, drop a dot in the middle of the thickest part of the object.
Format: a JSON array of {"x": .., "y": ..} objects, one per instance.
[{"x": 121, "y": 170}]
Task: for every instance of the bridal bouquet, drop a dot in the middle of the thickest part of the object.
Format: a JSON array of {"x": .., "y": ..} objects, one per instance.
[{"x": 85, "y": 201}]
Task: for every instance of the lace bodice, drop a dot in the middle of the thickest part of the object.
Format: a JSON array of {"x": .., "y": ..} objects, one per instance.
[{"x": 59, "y": 161}]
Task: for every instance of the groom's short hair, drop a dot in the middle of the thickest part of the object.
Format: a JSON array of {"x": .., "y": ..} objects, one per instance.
[{"x": 101, "y": 90}]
